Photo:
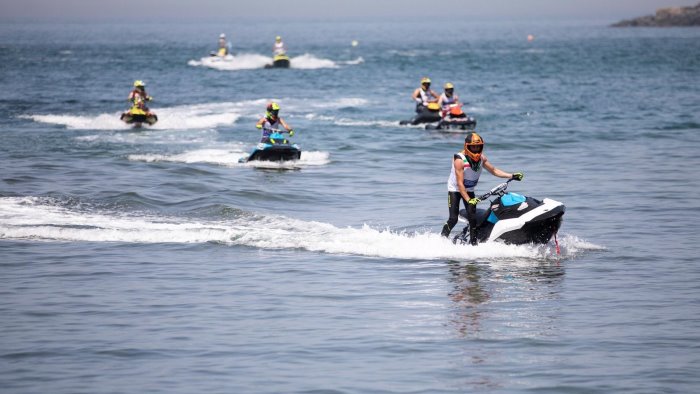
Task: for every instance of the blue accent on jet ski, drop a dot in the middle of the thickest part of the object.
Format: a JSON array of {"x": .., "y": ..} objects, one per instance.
[
  {"x": 492, "y": 218},
  {"x": 274, "y": 147},
  {"x": 510, "y": 199}
]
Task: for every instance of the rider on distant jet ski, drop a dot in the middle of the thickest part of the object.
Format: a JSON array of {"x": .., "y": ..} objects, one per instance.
[
  {"x": 464, "y": 175},
  {"x": 448, "y": 97},
  {"x": 138, "y": 96},
  {"x": 272, "y": 121},
  {"x": 278, "y": 48},
  {"x": 223, "y": 45},
  {"x": 424, "y": 95}
]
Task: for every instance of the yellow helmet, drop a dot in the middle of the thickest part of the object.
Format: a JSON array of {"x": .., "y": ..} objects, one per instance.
[
  {"x": 278, "y": 38},
  {"x": 449, "y": 85},
  {"x": 272, "y": 110},
  {"x": 139, "y": 83},
  {"x": 425, "y": 80}
]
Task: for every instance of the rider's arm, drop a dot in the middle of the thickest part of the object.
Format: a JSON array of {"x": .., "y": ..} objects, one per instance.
[
  {"x": 416, "y": 96},
  {"x": 284, "y": 124},
  {"x": 459, "y": 172},
  {"x": 260, "y": 123},
  {"x": 495, "y": 171}
]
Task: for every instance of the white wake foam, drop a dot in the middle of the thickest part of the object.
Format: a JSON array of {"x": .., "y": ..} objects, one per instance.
[
  {"x": 44, "y": 219},
  {"x": 230, "y": 157},
  {"x": 181, "y": 117},
  {"x": 249, "y": 61}
]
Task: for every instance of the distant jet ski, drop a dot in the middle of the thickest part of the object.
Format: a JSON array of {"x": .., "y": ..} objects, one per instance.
[
  {"x": 453, "y": 118},
  {"x": 514, "y": 219},
  {"x": 275, "y": 147},
  {"x": 279, "y": 61},
  {"x": 425, "y": 114},
  {"x": 138, "y": 114}
]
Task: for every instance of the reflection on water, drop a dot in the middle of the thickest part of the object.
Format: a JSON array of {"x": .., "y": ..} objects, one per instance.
[
  {"x": 467, "y": 294},
  {"x": 522, "y": 291}
]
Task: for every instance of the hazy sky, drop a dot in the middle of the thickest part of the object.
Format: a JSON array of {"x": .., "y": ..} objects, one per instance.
[{"x": 163, "y": 10}]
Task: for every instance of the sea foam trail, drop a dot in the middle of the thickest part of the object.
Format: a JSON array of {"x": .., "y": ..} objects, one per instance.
[
  {"x": 45, "y": 219},
  {"x": 178, "y": 118},
  {"x": 230, "y": 157},
  {"x": 249, "y": 61}
]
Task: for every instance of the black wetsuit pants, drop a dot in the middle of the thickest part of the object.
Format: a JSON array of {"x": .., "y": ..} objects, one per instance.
[{"x": 453, "y": 199}]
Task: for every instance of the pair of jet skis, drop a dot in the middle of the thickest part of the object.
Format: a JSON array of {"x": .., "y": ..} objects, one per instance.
[{"x": 450, "y": 118}]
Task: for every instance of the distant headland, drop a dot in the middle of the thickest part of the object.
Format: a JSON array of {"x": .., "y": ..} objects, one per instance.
[{"x": 666, "y": 17}]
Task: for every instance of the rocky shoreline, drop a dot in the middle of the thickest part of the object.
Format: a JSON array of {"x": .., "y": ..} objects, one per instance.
[{"x": 666, "y": 17}]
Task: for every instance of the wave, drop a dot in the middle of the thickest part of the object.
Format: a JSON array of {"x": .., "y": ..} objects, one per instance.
[
  {"x": 45, "y": 219},
  {"x": 182, "y": 117},
  {"x": 230, "y": 157},
  {"x": 250, "y": 61}
]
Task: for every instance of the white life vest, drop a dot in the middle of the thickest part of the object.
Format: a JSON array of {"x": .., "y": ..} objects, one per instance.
[
  {"x": 278, "y": 48},
  {"x": 268, "y": 125},
  {"x": 447, "y": 100},
  {"x": 425, "y": 96},
  {"x": 471, "y": 178}
]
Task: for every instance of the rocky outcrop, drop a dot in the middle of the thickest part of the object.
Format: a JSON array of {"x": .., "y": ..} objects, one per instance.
[{"x": 666, "y": 17}]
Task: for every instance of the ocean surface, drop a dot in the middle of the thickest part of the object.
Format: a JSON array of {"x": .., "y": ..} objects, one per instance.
[{"x": 150, "y": 261}]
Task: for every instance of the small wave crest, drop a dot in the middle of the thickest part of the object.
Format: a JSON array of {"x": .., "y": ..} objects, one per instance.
[
  {"x": 43, "y": 218},
  {"x": 230, "y": 157}
]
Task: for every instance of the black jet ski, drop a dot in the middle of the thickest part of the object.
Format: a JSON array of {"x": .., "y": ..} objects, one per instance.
[
  {"x": 425, "y": 114},
  {"x": 138, "y": 115},
  {"x": 279, "y": 61},
  {"x": 514, "y": 219},
  {"x": 274, "y": 148},
  {"x": 453, "y": 118}
]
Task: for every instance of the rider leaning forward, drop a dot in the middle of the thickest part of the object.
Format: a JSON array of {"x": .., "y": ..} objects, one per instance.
[
  {"x": 271, "y": 122},
  {"x": 464, "y": 175}
]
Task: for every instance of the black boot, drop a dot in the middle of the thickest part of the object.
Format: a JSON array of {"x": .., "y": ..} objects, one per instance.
[
  {"x": 472, "y": 237},
  {"x": 446, "y": 230}
]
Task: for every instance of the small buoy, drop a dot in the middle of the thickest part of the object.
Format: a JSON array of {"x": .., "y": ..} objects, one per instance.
[
  {"x": 354, "y": 43},
  {"x": 530, "y": 37}
]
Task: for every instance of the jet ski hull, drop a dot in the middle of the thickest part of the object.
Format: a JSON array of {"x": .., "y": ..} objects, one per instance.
[
  {"x": 466, "y": 123},
  {"x": 273, "y": 152},
  {"x": 423, "y": 115},
  {"x": 281, "y": 61},
  {"x": 138, "y": 119},
  {"x": 530, "y": 222}
]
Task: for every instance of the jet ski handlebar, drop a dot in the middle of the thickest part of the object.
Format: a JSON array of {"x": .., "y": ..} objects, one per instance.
[
  {"x": 290, "y": 132},
  {"x": 498, "y": 190}
]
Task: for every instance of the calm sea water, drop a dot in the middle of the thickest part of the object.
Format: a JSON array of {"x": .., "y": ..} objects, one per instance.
[{"x": 151, "y": 261}]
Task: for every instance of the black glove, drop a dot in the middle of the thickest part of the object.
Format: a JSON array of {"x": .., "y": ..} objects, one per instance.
[{"x": 518, "y": 176}]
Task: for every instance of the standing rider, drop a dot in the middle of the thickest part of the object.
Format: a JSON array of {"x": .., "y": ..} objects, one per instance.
[
  {"x": 424, "y": 95},
  {"x": 223, "y": 45},
  {"x": 271, "y": 122},
  {"x": 464, "y": 175},
  {"x": 278, "y": 48},
  {"x": 447, "y": 98},
  {"x": 138, "y": 96}
]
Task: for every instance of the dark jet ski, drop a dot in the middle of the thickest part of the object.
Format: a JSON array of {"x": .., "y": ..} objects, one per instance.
[
  {"x": 514, "y": 219},
  {"x": 274, "y": 148},
  {"x": 454, "y": 118},
  {"x": 279, "y": 61},
  {"x": 425, "y": 114},
  {"x": 137, "y": 115}
]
